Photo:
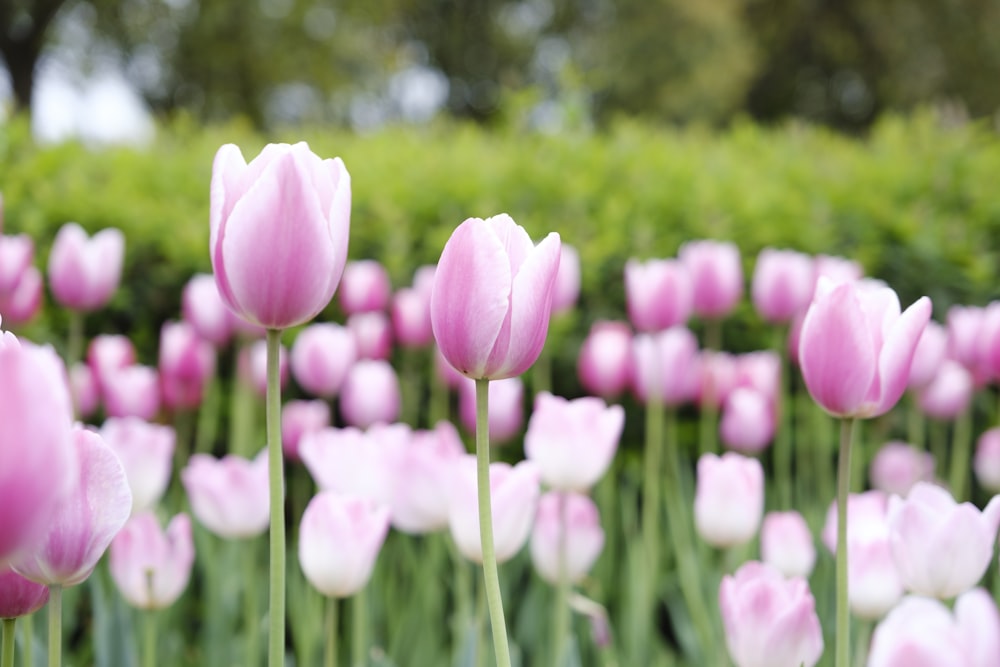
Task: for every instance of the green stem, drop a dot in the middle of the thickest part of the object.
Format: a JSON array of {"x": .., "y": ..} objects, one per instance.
[
  {"x": 55, "y": 625},
  {"x": 939, "y": 442},
  {"x": 28, "y": 632},
  {"x": 250, "y": 607},
  {"x": 653, "y": 480},
  {"x": 491, "y": 576},
  {"x": 561, "y": 623},
  {"x": 276, "y": 638},
  {"x": 7, "y": 654},
  {"x": 330, "y": 654},
  {"x": 149, "y": 638},
  {"x": 783, "y": 433},
  {"x": 960, "y": 455},
  {"x": 242, "y": 410},
  {"x": 864, "y": 639},
  {"x": 359, "y": 627},
  {"x": 208, "y": 417},
  {"x": 916, "y": 424},
  {"x": 481, "y": 625},
  {"x": 74, "y": 342},
  {"x": 843, "y": 651}
]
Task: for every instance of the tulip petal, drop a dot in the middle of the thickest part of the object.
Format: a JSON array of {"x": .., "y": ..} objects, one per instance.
[
  {"x": 896, "y": 355},
  {"x": 226, "y": 169}
]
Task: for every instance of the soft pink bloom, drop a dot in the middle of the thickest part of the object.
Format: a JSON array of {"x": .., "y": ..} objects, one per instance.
[
  {"x": 729, "y": 499},
  {"x": 769, "y": 621},
  {"x": 253, "y": 366},
  {"x": 364, "y": 287},
  {"x": 16, "y": 253},
  {"x": 146, "y": 452},
  {"x": 664, "y": 366},
  {"x": 856, "y": 347},
  {"x": 929, "y": 355},
  {"x": 989, "y": 342},
  {"x": 567, "y": 287},
  {"x": 716, "y": 276},
  {"x": 85, "y": 521},
  {"x": 38, "y": 459},
  {"x": 279, "y": 232},
  {"x": 786, "y": 544},
  {"x": 133, "y": 391},
  {"x": 506, "y": 408},
  {"x": 897, "y": 466},
  {"x": 356, "y": 462},
  {"x": 658, "y": 294},
  {"x": 748, "y": 420},
  {"x": 420, "y": 496},
  {"x": 760, "y": 370},
  {"x": 20, "y": 596},
  {"x": 965, "y": 325},
  {"x": 411, "y": 318},
  {"x": 321, "y": 356},
  {"x": 604, "y": 364},
  {"x": 339, "y": 539},
  {"x": 987, "y": 460},
  {"x": 204, "y": 309},
  {"x": 24, "y": 301},
  {"x": 514, "y": 492},
  {"x": 492, "y": 297},
  {"x": 299, "y": 418},
  {"x": 940, "y": 547},
  {"x": 85, "y": 390},
  {"x": 572, "y": 442},
  {"x": 717, "y": 374},
  {"x": 371, "y": 394},
  {"x": 837, "y": 270},
  {"x": 782, "y": 284},
  {"x": 979, "y": 627},
  {"x": 108, "y": 353},
  {"x": 949, "y": 394},
  {"x": 84, "y": 272},
  {"x": 571, "y": 519},
  {"x": 151, "y": 567},
  {"x": 229, "y": 495},
  {"x": 187, "y": 363},
  {"x": 372, "y": 333}
]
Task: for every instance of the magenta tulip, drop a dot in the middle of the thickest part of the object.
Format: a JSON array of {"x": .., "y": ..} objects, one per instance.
[
  {"x": 20, "y": 596},
  {"x": 729, "y": 499},
  {"x": 371, "y": 394},
  {"x": 151, "y": 567},
  {"x": 146, "y": 452},
  {"x": 299, "y": 418},
  {"x": 372, "y": 333},
  {"x": 782, "y": 284},
  {"x": 187, "y": 363},
  {"x": 205, "y": 310},
  {"x": 364, "y": 288},
  {"x": 567, "y": 287},
  {"x": 321, "y": 356},
  {"x": 279, "y": 232},
  {"x": 717, "y": 375},
  {"x": 492, "y": 297},
  {"x": 571, "y": 519},
  {"x": 420, "y": 497},
  {"x": 84, "y": 272},
  {"x": 898, "y": 466},
  {"x": 786, "y": 544},
  {"x": 658, "y": 294},
  {"x": 604, "y": 364},
  {"x": 506, "y": 415},
  {"x": 228, "y": 496},
  {"x": 716, "y": 276}
]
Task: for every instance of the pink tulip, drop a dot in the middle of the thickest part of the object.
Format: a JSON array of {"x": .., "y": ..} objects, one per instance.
[
  {"x": 664, "y": 366},
  {"x": 856, "y": 348},
  {"x": 151, "y": 567},
  {"x": 989, "y": 343},
  {"x": 365, "y": 287},
  {"x": 85, "y": 521},
  {"x": 782, "y": 284},
  {"x": 506, "y": 414},
  {"x": 16, "y": 253},
  {"x": 949, "y": 394},
  {"x": 897, "y": 466},
  {"x": 205, "y": 310},
  {"x": 411, "y": 318},
  {"x": 339, "y": 540},
  {"x": 987, "y": 460},
  {"x": 420, "y": 497},
  {"x": 108, "y": 353},
  {"x": 38, "y": 459},
  {"x": 355, "y": 462},
  {"x": 371, "y": 394},
  {"x": 572, "y": 442},
  {"x": 718, "y": 373},
  {"x": 228, "y": 496},
  {"x": 748, "y": 420},
  {"x": 253, "y": 366},
  {"x": 929, "y": 355},
  {"x": 940, "y": 547},
  {"x": 761, "y": 371},
  {"x": 965, "y": 326},
  {"x": 133, "y": 391},
  {"x": 24, "y": 301},
  {"x": 729, "y": 499},
  {"x": 279, "y": 232},
  {"x": 187, "y": 363},
  {"x": 716, "y": 276},
  {"x": 299, "y": 418},
  {"x": 20, "y": 596},
  {"x": 321, "y": 356},
  {"x": 84, "y": 272},
  {"x": 769, "y": 621},
  {"x": 658, "y": 294},
  {"x": 604, "y": 364},
  {"x": 492, "y": 297},
  {"x": 146, "y": 452},
  {"x": 571, "y": 519},
  {"x": 567, "y": 287},
  {"x": 514, "y": 492},
  {"x": 372, "y": 333},
  {"x": 786, "y": 544},
  {"x": 84, "y": 389},
  {"x": 837, "y": 270},
  {"x": 978, "y": 622}
]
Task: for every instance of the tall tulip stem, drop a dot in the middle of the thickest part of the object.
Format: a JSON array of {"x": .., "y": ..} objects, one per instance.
[
  {"x": 491, "y": 577},
  {"x": 960, "y": 463},
  {"x": 561, "y": 616},
  {"x": 276, "y": 638},
  {"x": 7, "y": 654},
  {"x": 653, "y": 481},
  {"x": 252, "y": 617},
  {"x": 359, "y": 638},
  {"x": 149, "y": 638},
  {"x": 330, "y": 654},
  {"x": 843, "y": 651},
  {"x": 55, "y": 625},
  {"x": 783, "y": 432}
]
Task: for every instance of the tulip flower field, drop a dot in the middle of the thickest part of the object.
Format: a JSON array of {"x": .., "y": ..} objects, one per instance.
[{"x": 725, "y": 453}]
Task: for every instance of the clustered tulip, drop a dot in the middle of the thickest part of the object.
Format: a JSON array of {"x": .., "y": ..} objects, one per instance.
[
  {"x": 151, "y": 567},
  {"x": 226, "y": 495}
]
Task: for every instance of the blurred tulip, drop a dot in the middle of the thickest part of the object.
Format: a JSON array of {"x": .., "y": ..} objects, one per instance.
[
  {"x": 146, "y": 452},
  {"x": 949, "y": 394},
  {"x": 187, "y": 363},
  {"x": 204, "y": 309},
  {"x": 979, "y": 627},
  {"x": 989, "y": 343},
  {"x": 84, "y": 272},
  {"x": 150, "y": 567},
  {"x": 24, "y": 301},
  {"x": 16, "y": 253},
  {"x": 321, "y": 356},
  {"x": 20, "y": 596},
  {"x": 605, "y": 356},
  {"x": 364, "y": 288},
  {"x": 658, "y": 294},
  {"x": 492, "y": 297},
  {"x": 411, "y": 318},
  {"x": 748, "y": 420},
  {"x": 716, "y": 276},
  {"x": 339, "y": 540},
  {"x": 716, "y": 376},
  {"x": 228, "y": 496},
  {"x": 133, "y": 391},
  {"x": 897, "y": 466},
  {"x": 84, "y": 389},
  {"x": 664, "y": 366},
  {"x": 108, "y": 353},
  {"x": 85, "y": 521},
  {"x": 571, "y": 519},
  {"x": 506, "y": 414},
  {"x": 253, "y": 366},
  {"x": 572, "y": 442},
  {"x": 729, "y": 499},
  {"x": 769, "y": 621},
  {"x": 987, "y": 460},
  {"x": 787, "y": 545},
  {"x": 965, "y": 324},
  {"x": 372, "y": 333},
  {"x": 567, "y": 287},
  {"x": 929, "y": 355},
  {"x": 371, "y": 394},
  {"x": 279, "y": 232},
  {"x": 837, "y": 270},
  {"x": 782, "y": 284},
  {"x": 420, "y": 497},
  {"x": 760, "y": 370},
  {"x": 299, "y": 418}
]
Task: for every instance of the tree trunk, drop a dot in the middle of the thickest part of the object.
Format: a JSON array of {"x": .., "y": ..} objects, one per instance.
[{"x": 22, "y": 37}]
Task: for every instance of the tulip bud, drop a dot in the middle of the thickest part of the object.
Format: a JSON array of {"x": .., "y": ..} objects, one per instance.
[
  {"x": 605, "y": 356},
  {"x": 787, "y": 545},
  {"x": 570, "y": 519},
  {"x": 716, "y": 276},
  {"x": 228, "y": 496},
  {"x": 84, "y": 272},
  {"x": 151, "y": 567},
  {"x": 729, "y": 499},
  {"x": 371, "y": 394},
  {"x": 146, "y": 452},
  {"x": 658, "y": 294},
  {"x": 321, "y": 357},
  {"x": 364, "y": 288},
  {"x": 782, "y": 285},
  {"x": 299, "y": 418}
]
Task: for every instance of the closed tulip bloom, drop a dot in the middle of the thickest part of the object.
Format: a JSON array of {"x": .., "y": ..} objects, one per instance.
[
  {"x": 279, "y": 232},
  {"x": 411, "y": 318},
  {"x": 108, "y": 353},
  {"x": 355, "y": 462},
  {"x": 187, "y": 363},
  {"x": 856, "y": 348},
  {"x": 299, "y": 418},
  {"x": 573, "y": 442},
  {"x": 492, "y": 297},
  {"x": 718, "y": 373},
  {"x": 16, "y": 253},
  {"x": 371, "y": 394},
  {"x": 146, "y": 452},
  {"x": 919, "y": 632},
  {"x": 24, "y": 301},
  {"x": 965, "y": 325},
  {"x": 665, "y": 366},
  {"x": 571, "y": 519},
  {"x": 978, "y": 622},
  {"x": 716, "y": 276},
  {"x": 365, "y": 287},
  {"x": 150, "y": 567},
  {"x": 929, "y": 355},
  {"x": 84, "y": 272},
  {"x": 989, "y": 342},
  {"x": 770, "y": 621},
  {"x": 321, "y": 356},
  {"x": 228, "y": 496},
  {"x": 339, "y": 539},
  {"x": 748, "y": 420},
  {"x": 987, "y": 460},
  {"x": 782, "y": 284},
  {"x": 787, "y": 545},
  {"x": 372, "y": 333},
  {"x": 950, "y": 392},
  {"x": 86, "y": 521},
  {"x": 604, "y": 364},
  {"x": 760, "y": 370},
  {"x": 567, "y": 288},
  {"x": 897, "y": 466},
  {"x": 420, "y": 497},
  {"x": 133, "y": 391},
  {"x": 85, "y": 390},
  {"x": 506, "y": 415},
  {"x": 940, "y": 547},
  {"x": 658, "y": 294},
  {"x": 20, "y": 596},
  {"x": 514, "y": 491},
  {"x": 729, "y": 499},
  {"x": 204, "y": 310}
]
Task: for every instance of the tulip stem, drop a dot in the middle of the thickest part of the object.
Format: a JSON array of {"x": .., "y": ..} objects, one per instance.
[
  {"x": 864, "y": 639},
  {"x": 330, "y": 655},
  {"x": 28, "y": 632},
  {"x": 55, "y": 625},
  {"x": 276, "y": 638},
  {"x": 916, "y": 425},
  {"x": 149, "y": 638},
  {"x": 359, "y": 640},
  {"x": 491, "y": 577},
  {"x": 843, "y": 651},
  {"x": 962, "y": 439},
  {"x": 783, "y": 432},
  {"x": 7, "y": 656},
  {"x": 74, "y": 343},
  {"x": 252, "y": 618},
  {"x": 561, "y": 616},
  {"x": 655, "y": 417}
]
